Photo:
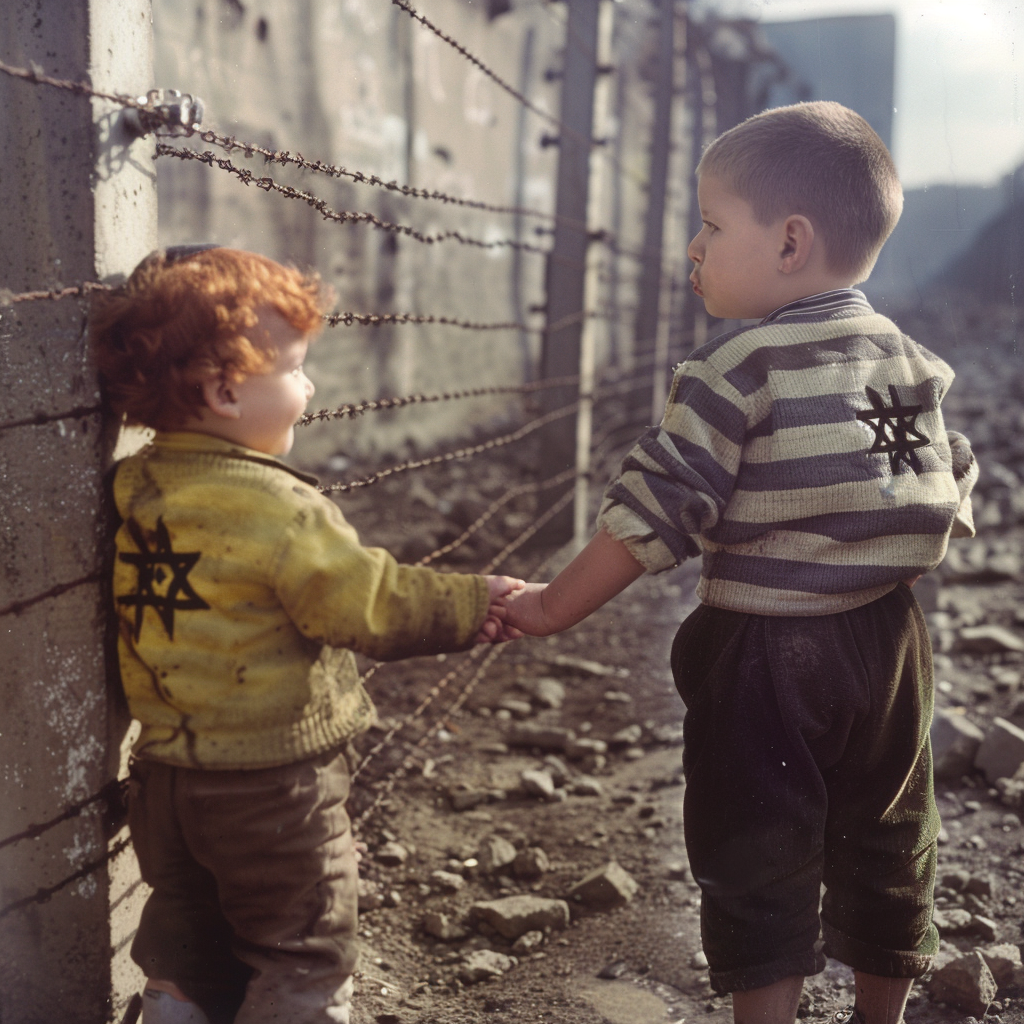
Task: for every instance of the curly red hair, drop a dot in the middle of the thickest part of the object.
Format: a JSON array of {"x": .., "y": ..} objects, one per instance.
[{"x": 157, "y": 338}]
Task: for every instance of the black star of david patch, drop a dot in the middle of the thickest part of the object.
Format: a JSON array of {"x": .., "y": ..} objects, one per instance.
[
  {"x": 150, "y": 564},
  {"x": 895, "y": 429}
]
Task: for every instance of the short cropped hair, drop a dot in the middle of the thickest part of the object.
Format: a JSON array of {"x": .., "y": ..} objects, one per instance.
[
  {"x": 821, "y": 160},
  {"x": 159, "y": 336}
]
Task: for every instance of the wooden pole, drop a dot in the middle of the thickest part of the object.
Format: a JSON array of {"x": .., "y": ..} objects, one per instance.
[{"x": 560, "y": 352}]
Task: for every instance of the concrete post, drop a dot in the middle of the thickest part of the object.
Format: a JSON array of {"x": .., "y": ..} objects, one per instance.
[{"x": 79, "y": 204}]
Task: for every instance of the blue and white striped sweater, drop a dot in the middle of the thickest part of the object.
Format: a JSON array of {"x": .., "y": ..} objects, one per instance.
[{"x": 804, "y": 458}]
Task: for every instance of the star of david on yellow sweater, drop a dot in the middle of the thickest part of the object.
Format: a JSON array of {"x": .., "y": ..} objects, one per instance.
[{"x": 241, "y": 594}]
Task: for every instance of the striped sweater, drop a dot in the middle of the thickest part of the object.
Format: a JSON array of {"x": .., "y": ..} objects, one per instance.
[{"x": 805, "y": 459}]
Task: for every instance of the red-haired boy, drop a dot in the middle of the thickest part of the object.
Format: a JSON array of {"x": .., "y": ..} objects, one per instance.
[{"x": 241, "y": 593}]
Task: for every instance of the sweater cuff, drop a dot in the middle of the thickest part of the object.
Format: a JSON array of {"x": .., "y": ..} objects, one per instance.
[{"x": 640, "y": 540}]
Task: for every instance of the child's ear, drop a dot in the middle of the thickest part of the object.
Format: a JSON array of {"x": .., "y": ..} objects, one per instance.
[
  {"x": 797, "y": 243},
  {"x": 220, "y": 397}
]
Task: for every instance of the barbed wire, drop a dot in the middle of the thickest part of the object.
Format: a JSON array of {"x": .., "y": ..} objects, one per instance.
[
  {"x": 267, "y": 184},
  {"x": 495, "y": 507},
  {"x": 479, "y": 64},
  {"x": 383, "y": 319},
  {"x": 380, "y": 404},
  {"x": 34, "y": 73},
  {"x": 285, "y": 157},
  {"x": 9, "y": 298},
  {"x": 460, "y": 453}
]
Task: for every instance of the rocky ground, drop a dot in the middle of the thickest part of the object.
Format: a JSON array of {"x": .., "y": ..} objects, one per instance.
[{"x": 527, "y": 863}]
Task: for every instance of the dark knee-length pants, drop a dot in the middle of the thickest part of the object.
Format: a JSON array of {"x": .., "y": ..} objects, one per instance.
[{"x": 807, "y": 762}]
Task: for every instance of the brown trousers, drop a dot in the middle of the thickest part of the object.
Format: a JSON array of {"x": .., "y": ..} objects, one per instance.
[{"x": 254, "y": 903}]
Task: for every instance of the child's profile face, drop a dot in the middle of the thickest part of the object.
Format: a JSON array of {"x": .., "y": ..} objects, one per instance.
[
  {"x": 270, "y": 402},
  {"x": 736, "y": 258}
]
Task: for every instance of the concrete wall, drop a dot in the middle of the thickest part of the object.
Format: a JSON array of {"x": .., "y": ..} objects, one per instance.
[
  {"x": 79, "y": 204},
  {"x": 358, "y": 83}
]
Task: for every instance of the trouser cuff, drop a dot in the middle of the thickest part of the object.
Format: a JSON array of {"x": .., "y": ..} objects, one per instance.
[
  {"x": 886, "y": 963},
  {"x": 743, "y": 979}
]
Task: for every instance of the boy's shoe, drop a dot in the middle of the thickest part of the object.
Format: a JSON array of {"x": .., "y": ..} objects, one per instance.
[
  {"x": 162, "y": 1008},
  {"x": 847, "y": 1016}
]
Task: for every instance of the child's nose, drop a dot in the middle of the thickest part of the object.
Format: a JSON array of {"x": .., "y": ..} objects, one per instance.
[
  {"x": 310, "y": 389},
  {"x": 693, "y": 252}
]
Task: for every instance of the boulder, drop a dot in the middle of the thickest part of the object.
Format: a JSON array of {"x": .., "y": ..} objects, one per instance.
[
  {"x": 965, "y": 983},
  {"x": 606, "y": 887},
  {"x": 516, "y": 915},
  {"x": 1001, "y": 752},
  {"x": 483, "y": 964},
  {"x": 955, "y": 741}
]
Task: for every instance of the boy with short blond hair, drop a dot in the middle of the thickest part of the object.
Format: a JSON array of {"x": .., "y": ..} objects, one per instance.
[
  {"x": 241, "y": 594},
  {"x": 806, "y": 461}
]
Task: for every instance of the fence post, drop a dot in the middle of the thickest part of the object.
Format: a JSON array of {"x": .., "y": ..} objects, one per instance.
[
  {"x": 560, "y": 352},
  {"x": 79, "y": 205},
  {"x": 661, "y": 130}
]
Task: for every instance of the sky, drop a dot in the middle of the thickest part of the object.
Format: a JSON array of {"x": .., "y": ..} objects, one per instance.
[{"x": 959, "y": 80}]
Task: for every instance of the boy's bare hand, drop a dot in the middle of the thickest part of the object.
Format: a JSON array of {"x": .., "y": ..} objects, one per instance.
[
  {"x": 525, "y": 611},
  {"x": 493, "y": 630}
]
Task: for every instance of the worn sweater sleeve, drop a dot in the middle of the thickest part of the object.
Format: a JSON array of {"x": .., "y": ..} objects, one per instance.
[
  {"x": 965, "y": 472},
  {"x": 343, "y": 594},
  {"x": 676, "y": 481}
]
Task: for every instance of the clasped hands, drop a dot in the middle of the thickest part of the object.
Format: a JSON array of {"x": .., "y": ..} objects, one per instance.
[{"x": 515, "y": 610}]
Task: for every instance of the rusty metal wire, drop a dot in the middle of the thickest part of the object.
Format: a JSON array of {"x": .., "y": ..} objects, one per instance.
[
  {"x": 383, "y": 319},
  {"x": 461, "y": 453},
  {"x": 539, "y": 522},
  {"x": 34, "y": 73},
  {"x": 9, "y": 298},
  {"x": 479, "y": 64},
  {"x": 276, "y": 156},
  {"x": 267, "y": 184},
  {"x": 432, "y": 694},
  {"x": 379, "y": 404},
  {"x": 495, "y": 507}
]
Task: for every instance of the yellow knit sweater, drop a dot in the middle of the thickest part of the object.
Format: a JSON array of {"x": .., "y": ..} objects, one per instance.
[{"x": 241, "y": 593}]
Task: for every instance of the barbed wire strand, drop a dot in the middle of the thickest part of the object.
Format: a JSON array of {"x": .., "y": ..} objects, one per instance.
[
  {"x": 267, "y": 184},
  {"x": 460, "y": 453},
  {"x": 382, "y": 404},
  {"x": 495, "y": 507}
]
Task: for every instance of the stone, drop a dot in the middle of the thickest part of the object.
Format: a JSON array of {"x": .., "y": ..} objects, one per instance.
[
  {"x": 605, "y": 887},
  {"x": 465, "y": 799},
  {"x": 1005, "y": 963},
  {"x": 984, "y": 927},
  {"x": 547, "y": 692},
  {"x": 1011, "y": 792},
  {"x": 587, "y": 786},
  {"x": 593, "y": 668},
  {"x": 447, "y": 881},
  {"x": 955, "y": 742},
  {"x": 513, "y": 916},
  {"x": 627, "y": 737},
  {"x": 577, "y": 749},
  {"x": 516, "y": 708},
  {"x": 392, "y": 855},
  {"x": 989, "y": 639},
  {"x": 965, "y": 983},
  {"x": 546, "y": 737},
  {"x": 979, "y": 885},
  {"x": 370, "y": 897},
  {"x": 495, "y": 853},
  {"x": 531, "y": 863},
  {"x": 483, "y": 964},
  {"x": 442, "y": 927},
  {"x": 537, "y": 782},
  {"x": 1002, "y": 751},
  {"x": 528, "y": 943},
  {"x": 952, "y": 921},
  {"x": 699, "y": 962}
]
